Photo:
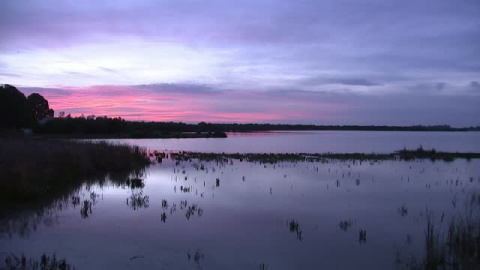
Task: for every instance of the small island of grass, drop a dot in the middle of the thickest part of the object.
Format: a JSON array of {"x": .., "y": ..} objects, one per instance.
[{"x": 417, "y": 154}]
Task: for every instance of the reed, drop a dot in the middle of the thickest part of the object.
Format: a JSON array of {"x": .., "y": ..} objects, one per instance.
[{"x": 34, "y": 169}]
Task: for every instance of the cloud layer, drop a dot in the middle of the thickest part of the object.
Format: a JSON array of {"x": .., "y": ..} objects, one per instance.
[
  {"x": 191, "y": 103},
  {"x": 328, "y": 58}
]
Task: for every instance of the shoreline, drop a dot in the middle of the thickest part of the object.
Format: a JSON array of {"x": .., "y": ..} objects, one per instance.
[{"x": 171, "y": 135}]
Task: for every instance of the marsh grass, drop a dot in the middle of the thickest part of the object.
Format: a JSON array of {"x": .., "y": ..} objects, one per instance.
[
  {"x": 463, "y": 236},
  {"x": 295, "y": 228},
  {"x": 198, "y": 257},
  {"x": 45, "y": 263},
  {"x": 460, "y": 249},
  {"x": 344, "y": 225},
  {"x": 433, "y": 155},
  {"x": 435, "y": 252},
  {"x": 33, "y": 170},
  {"x": 273, "y": 158},
  {"x": 362, "y": 236},
  {"x": 138, "y": 201},
  {"x": 402, "y": 210}
]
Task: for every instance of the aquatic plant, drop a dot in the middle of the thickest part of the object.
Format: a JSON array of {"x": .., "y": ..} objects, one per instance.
[
  {"x": 86, "y": 209},
  {"x": 362, "y": 236},
  {"x": 185, "y": 189},
  {"x": 45, "y": 263},
  {"x": 295, "y": 228},
  {"x": 402, "y": 210},
  {"x": 434, "y": 251},
  {"x": 183, "y": 204},
  {"x": 164, "y": 204},
  {"x": 163, "y": 217},
  {"x": 459, "y": 250},
  {"x": 463, "y": 237},
  {"x": 198, "y": 257},
  {"x": 75, "y": 201},
  {"x": 192, "y": 210},
  {"x": 433, "y": 155},
  {"x": 273, "y": 158},
  {"x": 136, "y": 183},
  {"x": 138, "y": 200},
  {"x": 345, "y": 224},
  {"x": 41, "y": 169}
]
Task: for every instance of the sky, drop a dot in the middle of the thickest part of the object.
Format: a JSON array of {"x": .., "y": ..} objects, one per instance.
[{"x": 361, "y": 62}]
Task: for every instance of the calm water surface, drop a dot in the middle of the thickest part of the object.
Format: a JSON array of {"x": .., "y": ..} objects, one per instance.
[
  {"x": 241, "y": 215},
  {"x": 320, "y": 142},
  {"x": 284, "y": 216}
]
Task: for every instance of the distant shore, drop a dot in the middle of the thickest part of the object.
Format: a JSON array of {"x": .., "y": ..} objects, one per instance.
[
  {"x": 287, "y": 127},
  {"x": 170, "y": 135},
  {"x": 105, "y": 127}
]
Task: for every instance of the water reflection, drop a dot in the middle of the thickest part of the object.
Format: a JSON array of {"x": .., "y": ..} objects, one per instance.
[
  {"x": 347, "y": 198},
  {"x": 190, "y": 209},
  {"x": 263, "y": 266},
  {"x": 75, "y": 201},
  {"x": 137, "y": 200},
  {"x": 403, "y": 210},
  {"x": 86, "y": 209},
  {"x": 135, "y": 183},
  {"x": 197, "y": 257},
  {"x": 46, "y": 262},
  {"x": 345, "y": 224},
  {"x": 163, "y": 217},
  {"x": 362, "y": 237},
  {"x": 295, "y": 228}
]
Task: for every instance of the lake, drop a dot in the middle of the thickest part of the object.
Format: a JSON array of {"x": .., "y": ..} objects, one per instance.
[
  {"x": 198, "y": 214},
  {"x": 319, "y": 142}
]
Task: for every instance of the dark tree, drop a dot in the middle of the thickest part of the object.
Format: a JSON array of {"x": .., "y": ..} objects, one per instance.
[
  {"x": 13, "y": 106},
  {"x": 38, "y": 107}
]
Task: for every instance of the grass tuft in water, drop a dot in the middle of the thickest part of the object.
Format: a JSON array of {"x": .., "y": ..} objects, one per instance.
[{"x": 44, "y": 263}]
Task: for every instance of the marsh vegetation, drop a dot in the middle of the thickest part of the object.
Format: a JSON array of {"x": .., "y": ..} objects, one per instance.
[
  {"x": 46, "y": 262},
  {"x": 272, "y": 158},
  {"x": 40, "y": 170}
]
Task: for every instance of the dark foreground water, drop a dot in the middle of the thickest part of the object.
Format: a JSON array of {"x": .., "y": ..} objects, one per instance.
[
  {"x": 320, "y": 142},
  {"x": 239, "y": 215}
]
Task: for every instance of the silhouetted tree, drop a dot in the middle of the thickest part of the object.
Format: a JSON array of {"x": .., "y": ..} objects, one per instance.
[
  {"x": 38, "y": 107},
  {"x": 12, "y": 107}
]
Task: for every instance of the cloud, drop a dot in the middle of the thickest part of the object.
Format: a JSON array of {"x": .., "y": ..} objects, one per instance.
[
  {"x": 439, "y": 86},
  {"x": 475, "y": 85},
  {"x": 304, "y": 60},
  {"x": 181, "y": 103},
  {"x": 322, "y": 80},
  {"x": 429, "y": 88},
  {"x": 111, "y": 70},
  {"x": 8, "y": 74},
  {"x": 182, "y": 88},
  {"x": 50, "y": 92}
]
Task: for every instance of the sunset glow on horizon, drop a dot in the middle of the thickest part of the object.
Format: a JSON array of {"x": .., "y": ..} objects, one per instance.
[{"x": 161, "y": 103}]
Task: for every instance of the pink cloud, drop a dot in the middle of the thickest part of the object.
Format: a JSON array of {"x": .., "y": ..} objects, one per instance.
[{"x": 187, "y": 103}]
